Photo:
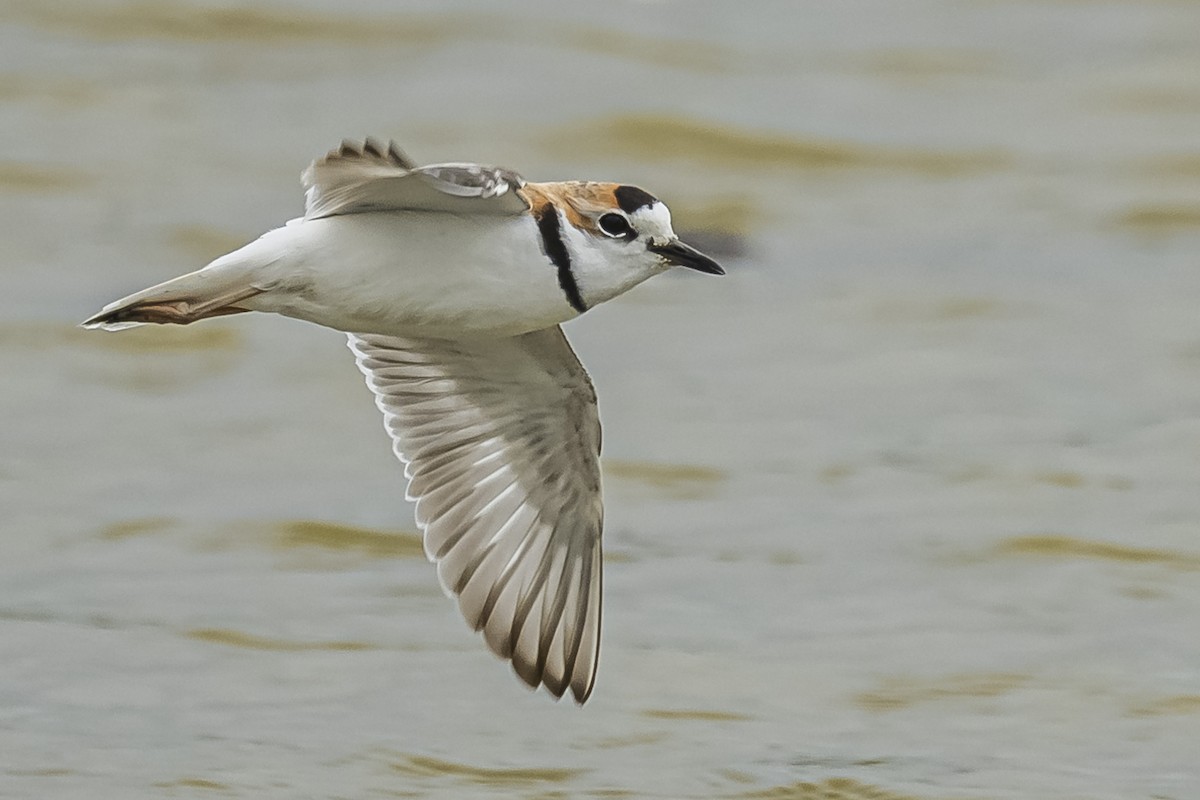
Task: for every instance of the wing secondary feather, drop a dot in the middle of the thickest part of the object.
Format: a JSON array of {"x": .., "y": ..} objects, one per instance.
[{"x": 501, "y": 442}]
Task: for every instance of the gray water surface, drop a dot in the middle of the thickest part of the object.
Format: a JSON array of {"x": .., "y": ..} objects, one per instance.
[{"x": 906, "y": 506}]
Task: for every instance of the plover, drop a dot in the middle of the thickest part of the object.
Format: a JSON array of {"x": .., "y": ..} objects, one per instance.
[{"x": 451, "y": 281}]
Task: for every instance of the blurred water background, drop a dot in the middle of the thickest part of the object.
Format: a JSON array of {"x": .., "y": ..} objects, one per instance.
[{"x": 906, "y": 506}]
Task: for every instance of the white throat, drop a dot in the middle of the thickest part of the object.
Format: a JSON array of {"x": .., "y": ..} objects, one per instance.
[{"x": 603, "y": 269}]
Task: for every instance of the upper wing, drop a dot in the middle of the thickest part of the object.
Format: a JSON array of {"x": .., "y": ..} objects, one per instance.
[
  {"x": 502, "y": 445},
  {"x": 354, "y": 179}
]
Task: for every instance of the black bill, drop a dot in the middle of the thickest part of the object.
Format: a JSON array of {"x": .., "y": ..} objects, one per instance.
[{"x": 682, "y": 255}]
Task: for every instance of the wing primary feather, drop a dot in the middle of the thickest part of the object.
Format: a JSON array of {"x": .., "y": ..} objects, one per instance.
[
  {"x": 399, "y": 157},
  {"x": 535, "y": 591},
  {"x": 585, "y": 679},
  {"x": 480, "y": 555},
  {"x": 575, "y": 629},
  {"x": 513, "y": 566},
  {"x": 490, "y": 560},
  {"x": 551, "y": 627},
  {"x": 465, "y": 518},
  {"x": 506, "y": 574}
]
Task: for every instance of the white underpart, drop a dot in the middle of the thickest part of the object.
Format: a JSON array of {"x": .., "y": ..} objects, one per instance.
[{"x": 409, "y": 273}]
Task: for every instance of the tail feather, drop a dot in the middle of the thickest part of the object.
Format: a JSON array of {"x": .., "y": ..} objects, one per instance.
[{"x": 180, "y": 301}]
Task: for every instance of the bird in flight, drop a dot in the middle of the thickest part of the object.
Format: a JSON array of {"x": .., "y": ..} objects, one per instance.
[{"x": 451, "y": 282}]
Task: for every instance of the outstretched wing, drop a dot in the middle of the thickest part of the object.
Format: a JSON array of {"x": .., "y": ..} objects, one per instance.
[
  {"x": 502, "y": 445},
  {"x": 355, "y": 179}
]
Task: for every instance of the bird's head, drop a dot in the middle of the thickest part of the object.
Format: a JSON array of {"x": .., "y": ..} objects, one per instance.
[{"x": 615, "y": 235}]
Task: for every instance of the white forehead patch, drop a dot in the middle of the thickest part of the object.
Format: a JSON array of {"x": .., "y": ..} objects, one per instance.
[{"x": 654, "y": 221}]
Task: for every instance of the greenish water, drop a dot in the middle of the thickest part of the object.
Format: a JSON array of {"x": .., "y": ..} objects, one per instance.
[{"x": 906, "y": 506}]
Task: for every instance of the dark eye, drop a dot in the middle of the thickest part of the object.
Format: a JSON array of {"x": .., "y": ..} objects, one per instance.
[{"x": 616, "y": 226}]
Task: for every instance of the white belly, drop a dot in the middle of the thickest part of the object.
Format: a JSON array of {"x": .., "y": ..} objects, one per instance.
[{"x": 409, "y": 274}]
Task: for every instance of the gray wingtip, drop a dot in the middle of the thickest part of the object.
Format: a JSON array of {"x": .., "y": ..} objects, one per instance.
[{"x": 371, "y": 149}]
